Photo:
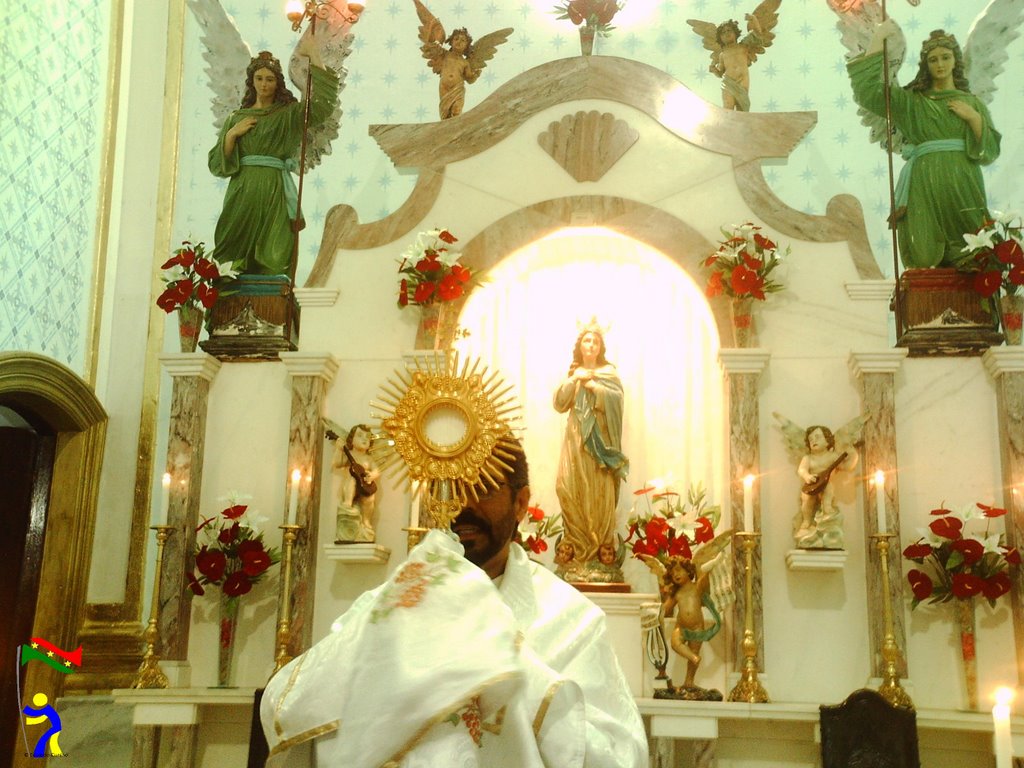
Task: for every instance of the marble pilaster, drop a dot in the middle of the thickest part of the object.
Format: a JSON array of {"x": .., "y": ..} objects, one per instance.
[
  {"x": 311, "y": 374},
  {"x": 191, "y": 374},
  {"x": 1006, "y": 367},
  {"x": 876, "y": 374},
  {"x": 743, "y": 368}
]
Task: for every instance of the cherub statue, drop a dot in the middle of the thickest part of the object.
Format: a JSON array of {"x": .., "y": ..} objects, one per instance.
[
  {"x": 731, "y": 55},
  {"x": 819, "y": 524},
  {"x": 357, "y": 498},
  {"x": 940, "y": 122},
  {"x": 686, "y": 588},
  {"x": 460, "y": 63},
  {"x": 260, "y": 130}
]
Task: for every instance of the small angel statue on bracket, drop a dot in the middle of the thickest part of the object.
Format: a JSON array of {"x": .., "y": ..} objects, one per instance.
[
  {"x": 819, "y": 524},
  {"x": 732, "y": 55},
  {"x": 460, "y": 63},
  {"x": 357, "y": 490}
]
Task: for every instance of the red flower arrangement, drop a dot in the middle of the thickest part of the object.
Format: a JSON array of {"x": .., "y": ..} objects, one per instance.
[
  {"x": 996, "y": 256},
  {"x": 742, "y": 264},
  {"x": 592, "y": 13},
  {"x": 430, "y": 270},
  {"x": 666, "y": 526},
  {"x": 534, "y": 530},
  {"x": 230, "y": 553},
  {"x": 190, "y": 279},
  {"x": 963, "y": 565}
]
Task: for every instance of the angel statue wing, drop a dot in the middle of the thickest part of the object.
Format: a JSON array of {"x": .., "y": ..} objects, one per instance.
[
  {"x": 335, "y": 43},
  {"x": 720, "y": 579},
  {"x": 767, "y": 16},
  {"x": 484, "y": 48},
  {"x": 708, "y": 34},
  {"x": 226, "y": 55},
  {"x": 856, "y": 27},
  {"x": 850, "y": 434},
  {"x": 985, "y": 50},
  {"x": 432, "y": 36},
  {"x": 793, "y": 436}
]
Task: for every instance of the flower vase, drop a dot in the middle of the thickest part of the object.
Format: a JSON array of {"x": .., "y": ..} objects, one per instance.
[
  {"x": 742, "y": 321},
  {"x": 1012, "y": 308},
  {"x": 190, "y": 323},
  {"x": 228, "y": 623},
  {"x": 431, "y": 332},
  {"x": 965, "y": 622},
  {"x": 587, "y": 34}
]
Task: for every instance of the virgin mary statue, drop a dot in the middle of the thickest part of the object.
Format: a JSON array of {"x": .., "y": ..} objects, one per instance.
[{"x": 591, "y": 465}]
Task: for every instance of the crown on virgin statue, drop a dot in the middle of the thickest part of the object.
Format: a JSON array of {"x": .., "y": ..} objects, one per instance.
[{"x": 592, "y": 325}]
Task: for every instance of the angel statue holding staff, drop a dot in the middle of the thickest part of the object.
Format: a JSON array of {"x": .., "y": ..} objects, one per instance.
[
  {"x": 819, "y": 524},
  {"x": 732, "y": 55},
  {"x": 460, "y": 63},
  {"x": 260, "y": 127},
  {"x": 944, "y": 130}
]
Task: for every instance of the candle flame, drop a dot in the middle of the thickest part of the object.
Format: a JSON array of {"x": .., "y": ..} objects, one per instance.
[
  {"x": 748, "y": 482},
  {"x": 167, "y": 480},
  {"x": 879, "y": 478},
  {"x": 1004, "y": 696},
  {"x": 296, "y": 475}
]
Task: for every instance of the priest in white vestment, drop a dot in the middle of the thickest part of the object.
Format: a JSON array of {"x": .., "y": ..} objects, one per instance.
[{"x": 468, "y": 655}]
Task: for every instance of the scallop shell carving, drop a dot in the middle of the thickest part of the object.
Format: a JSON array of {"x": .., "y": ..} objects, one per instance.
[{"x": 588, "y": 144}]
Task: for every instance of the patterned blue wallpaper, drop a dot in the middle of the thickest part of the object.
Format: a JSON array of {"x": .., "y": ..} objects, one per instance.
[
  {"x": 388, "y": 81},
  {"x": 54, "y": 95}
]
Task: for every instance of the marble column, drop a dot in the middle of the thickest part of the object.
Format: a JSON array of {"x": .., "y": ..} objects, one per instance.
[
  {"x": 311, "y": 374},
  {"x": 1006, "y": 367},
  {"x": 191, "y": 374},
  {"x": 743, "y": 369},
  {"x": 876, "y": 374}
]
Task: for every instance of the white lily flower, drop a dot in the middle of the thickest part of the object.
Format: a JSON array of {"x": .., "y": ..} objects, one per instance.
[
  {"x": 448, "y": 257},
  {"x": 173, "y": 274},
  {"x": 253, "y": 519},
  {"x": 992, "y": 543},
  {"x": 969, "y": 512},
  {"x": 981, "y": 240},
  {"x": 1005, "y": 218},
  {"x": 929, "y": 537}
]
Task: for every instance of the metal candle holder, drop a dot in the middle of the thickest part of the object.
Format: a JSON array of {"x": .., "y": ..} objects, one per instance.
[
  {"x": 749, "y": 688},
  {"x": 414, "y": 536},
  {"x": 150, "y": 675},
  {"x": 890, "y": 689},
  {"x": 284, "y": 603}
]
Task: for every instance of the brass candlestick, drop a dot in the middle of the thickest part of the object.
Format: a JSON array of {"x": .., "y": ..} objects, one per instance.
[
  {"x": 890, "y": 689},
  {"x": 284, "y": 604},
  {"x": 749, "y": 688},
  {"x": 150, "y": 675},
  {"x": 414, "y": 535}
]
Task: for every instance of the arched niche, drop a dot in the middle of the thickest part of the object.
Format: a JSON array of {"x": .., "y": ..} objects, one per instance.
[{"x": 55, "y": 399}]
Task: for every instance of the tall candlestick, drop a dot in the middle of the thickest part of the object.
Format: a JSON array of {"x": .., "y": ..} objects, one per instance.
[
  {"x": 1003, "y": 742},
  {"x": 165, "y": 500},
  {"x": 748, "y": 504},
  {"x": 293, "y": 497},
  {"x": 880, "y": 500}
]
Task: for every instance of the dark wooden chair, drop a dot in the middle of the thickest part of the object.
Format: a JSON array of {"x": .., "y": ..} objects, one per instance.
[{"x": 866, "y": 731}]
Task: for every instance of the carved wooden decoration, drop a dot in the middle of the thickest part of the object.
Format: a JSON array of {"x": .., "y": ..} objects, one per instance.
[{"x": 588, "y": 144}]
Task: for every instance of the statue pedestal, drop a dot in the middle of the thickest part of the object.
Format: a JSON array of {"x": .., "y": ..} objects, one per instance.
[
  {"x": 255, "y": 317},
  {"x": 942, "y": 315}
]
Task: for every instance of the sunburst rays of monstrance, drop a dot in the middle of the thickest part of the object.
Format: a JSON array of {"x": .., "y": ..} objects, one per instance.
[{"x": 448, "y": 432}]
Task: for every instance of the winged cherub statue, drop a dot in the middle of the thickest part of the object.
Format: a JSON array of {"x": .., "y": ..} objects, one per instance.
[
  {"x": 686, "y": 586},
  {"x": 260, "y": 127},
  {"x": 732, "y": 55},
  {"x": 940, "y": 119},
  {"x": 819, "y": 524},
  {"x": 460, "y": 63}
]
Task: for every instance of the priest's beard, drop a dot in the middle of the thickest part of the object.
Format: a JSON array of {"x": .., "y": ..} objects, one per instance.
[{"x": 489, "y": 538}]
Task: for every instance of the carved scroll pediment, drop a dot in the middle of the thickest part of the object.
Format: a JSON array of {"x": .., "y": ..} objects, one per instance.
[{"x": 588, "y": 144}]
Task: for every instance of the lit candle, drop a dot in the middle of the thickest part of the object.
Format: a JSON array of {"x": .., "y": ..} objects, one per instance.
[
  {"x": 414, "y": 506},
  {"x": 1001, "y": 723},
  {"x": 748, "y": 504},
  {"x": 293, "y": 498},
  {"x": 165, "y": 500},
  {"x": 880, "y": 500}
]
